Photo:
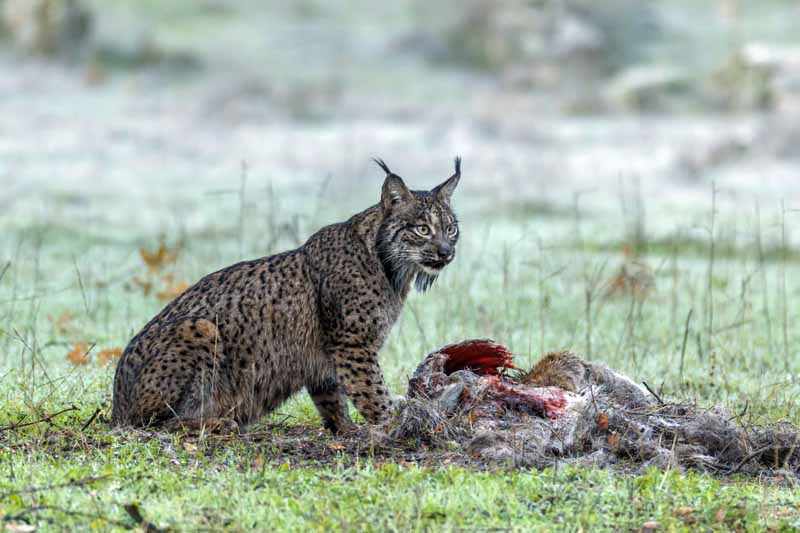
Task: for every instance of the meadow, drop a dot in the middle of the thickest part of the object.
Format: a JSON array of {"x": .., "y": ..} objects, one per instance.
[{"x": 77, "y": 284}]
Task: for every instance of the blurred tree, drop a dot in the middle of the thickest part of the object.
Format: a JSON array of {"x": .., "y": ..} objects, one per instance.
[
  {"x": 48, "y": 27},
  {"x": 542, "y": 41}
]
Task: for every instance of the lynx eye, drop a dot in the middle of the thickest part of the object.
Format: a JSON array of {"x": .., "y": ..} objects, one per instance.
[
  {"x": 451, "y": 231},
  {"x": 423, "y": 230}
]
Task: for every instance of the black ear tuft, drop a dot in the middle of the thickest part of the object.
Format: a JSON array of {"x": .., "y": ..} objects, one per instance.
[
  {"x": 383, "y": 165},
  {"x": 444, "y": 191}
]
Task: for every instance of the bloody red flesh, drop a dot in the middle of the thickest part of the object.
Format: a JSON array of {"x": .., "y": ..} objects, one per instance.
[
  {"x": 482, "y": 356},
  {"x": 542, "y": 401},
  {"x": 489, "y": 359}
]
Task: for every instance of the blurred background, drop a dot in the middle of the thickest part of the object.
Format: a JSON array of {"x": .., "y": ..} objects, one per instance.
[{"x": 143, "y": 104}]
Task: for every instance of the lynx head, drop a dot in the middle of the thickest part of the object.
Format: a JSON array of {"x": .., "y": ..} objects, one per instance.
[{"x": 418, "y": 235}]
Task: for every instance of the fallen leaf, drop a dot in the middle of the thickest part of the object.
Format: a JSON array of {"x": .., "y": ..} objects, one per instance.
[
  {"x": 628, "y": 252},
  {"x": 720, "y": 515},
  {"x": 62, "y": 324},
  {"x": 336, "y": 447},
  {"x": 106, "y": 356},
  {"x": 686, "y": 514},
  {"x": 632, "y": 278},
  {"x": 157, "y": 260},
  {"x": 614, "y": 441},
  {"x": 650, "y": 526},
  {"x": 145, "y": 284},
  {"x": 172, "y": 291},
  {"x": 79, "y": 355},
  {"x": 258, "y": 462},
  {"x": 602, "y": 422}
]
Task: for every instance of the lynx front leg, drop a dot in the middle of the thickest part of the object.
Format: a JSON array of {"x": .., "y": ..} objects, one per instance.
[
  {"x": 362, "y": 379},
  {"x": 331, "y": 403}
]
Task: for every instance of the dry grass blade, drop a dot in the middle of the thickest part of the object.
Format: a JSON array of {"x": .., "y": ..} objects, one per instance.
[
  {"x": 79, "y": 355},
  {"x": 136, "y": 515},
  {"x": 5, "y": 269},
  {"x": 74, "y": 483},
  {"x": 108, "y": 355},
  {"x": 47, "y": 418}
]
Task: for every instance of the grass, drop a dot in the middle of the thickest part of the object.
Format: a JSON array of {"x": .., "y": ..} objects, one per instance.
[
  {"x": 232, "y": 489},
  {"x": 522, "y": 280}
]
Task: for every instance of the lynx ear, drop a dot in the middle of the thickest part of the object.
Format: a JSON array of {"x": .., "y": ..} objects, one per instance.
[
  {"x": 394, "y": 195},
  {"x": 444, "y": 191}
]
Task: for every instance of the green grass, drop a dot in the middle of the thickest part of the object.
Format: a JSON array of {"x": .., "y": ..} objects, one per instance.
[
  {"x": 230, "y": 489},
  {"x": 520, "y": 278}
]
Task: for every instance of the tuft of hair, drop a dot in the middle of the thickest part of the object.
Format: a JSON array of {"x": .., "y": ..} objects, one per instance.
[
  {"x": 397, "y": 270},
  {"x": 421, "y": 420},
  {"x": 424, "y": 281},
  {"x": 400, "y": 272},
  {"x": 382, "y": 164},
  {"x": 458, "y": 165}
]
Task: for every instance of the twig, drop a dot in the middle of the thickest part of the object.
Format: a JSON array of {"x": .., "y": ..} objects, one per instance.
[
  {"x": 133, "y": 511},
  {"x": 242, "y": 186},
  {"x": 74, "y": 483},
  {"x": 656, "y": 396},
  {"x": 5, "y": 268},
  {"x": 752, "y": 456},
  {"x": 593, "y": 281},
  {"x": 47, "y": 418},
  {"x": 418, "y": 323},
  {"x": 685, "y": 338},
  {"x": 80, "y": 285},
  {"x": 765, "y": 287},
  {"x": 91, "y": 419},
  {"x": 673, "y": 259},
  {"x": 784, "y": 312},
  {"x": 710, "y": 282},
  {"x": 740, "y": 415},
  {"x": 68, "y": 512},
  {"x": 735, "y": 325}
]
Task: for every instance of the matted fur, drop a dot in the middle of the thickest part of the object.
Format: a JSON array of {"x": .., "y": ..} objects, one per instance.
[{"x": 607, "y": 420}]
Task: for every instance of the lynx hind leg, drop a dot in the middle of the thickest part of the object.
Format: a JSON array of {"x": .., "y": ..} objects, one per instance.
[
  {"x": 331, "y": 403},
  {"x": 183, "y": 380}
]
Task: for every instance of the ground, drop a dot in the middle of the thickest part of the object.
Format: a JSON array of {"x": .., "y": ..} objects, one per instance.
[{"x": 237, "y": 161}]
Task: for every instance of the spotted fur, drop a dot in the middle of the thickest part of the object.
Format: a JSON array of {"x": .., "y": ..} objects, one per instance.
[{"x": 244, "y": 339}]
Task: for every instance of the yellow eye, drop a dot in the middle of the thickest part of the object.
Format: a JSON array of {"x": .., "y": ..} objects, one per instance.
[{"x": 423, "y": 230}]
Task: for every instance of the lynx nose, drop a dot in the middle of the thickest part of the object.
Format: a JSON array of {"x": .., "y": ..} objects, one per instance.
[{"x": 445, "y": 251}]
